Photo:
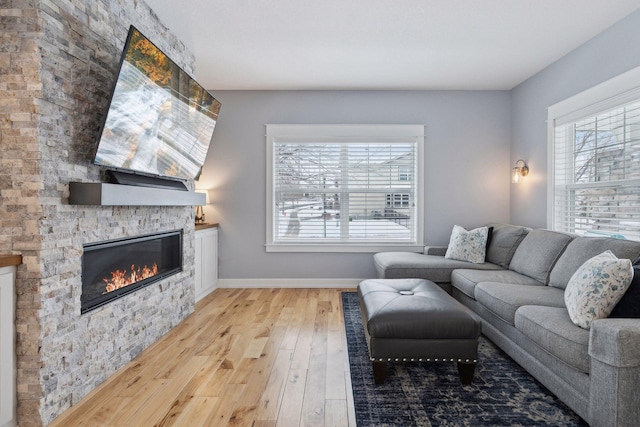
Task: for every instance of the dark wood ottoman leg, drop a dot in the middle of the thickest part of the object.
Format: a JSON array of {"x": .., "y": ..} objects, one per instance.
[
  {"x": 379, "y": 371},
  {"x": 466, "y": 370}
]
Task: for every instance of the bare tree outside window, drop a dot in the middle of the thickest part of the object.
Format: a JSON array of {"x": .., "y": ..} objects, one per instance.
[
  {"x": 320, "y": 186},
  {"x": 602, "y": 191}
]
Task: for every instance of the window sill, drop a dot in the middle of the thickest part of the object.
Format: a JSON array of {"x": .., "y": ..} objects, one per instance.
[{"x": 348, "y": 248}]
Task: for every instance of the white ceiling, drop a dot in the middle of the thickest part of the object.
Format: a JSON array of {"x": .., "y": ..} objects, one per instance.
[{"x": 381, "y": 44}]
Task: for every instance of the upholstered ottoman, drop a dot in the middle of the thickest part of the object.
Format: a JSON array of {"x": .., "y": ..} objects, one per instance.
[{"x": 415, "y": 320}]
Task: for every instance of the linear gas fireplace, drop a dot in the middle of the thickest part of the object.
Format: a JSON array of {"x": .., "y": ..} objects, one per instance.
[{"x": 115, "y": 268}]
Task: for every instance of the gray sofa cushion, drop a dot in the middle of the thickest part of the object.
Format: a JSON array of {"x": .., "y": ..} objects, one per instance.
[
  {"x": 581, "y": 249},
  {"x": 400, "y": 265},
  {"x": 538, "y": 252},
  {"x": 435, "y": 250},
  {"x": 466, "y": 280},
  {"x": 503, "y": 299},
  {"x": 505, "y": 238},
  {"x": 552, "y": 329}
]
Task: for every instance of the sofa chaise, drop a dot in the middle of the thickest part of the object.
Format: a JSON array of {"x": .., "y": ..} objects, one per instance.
[{"x": 519, "y": 294}]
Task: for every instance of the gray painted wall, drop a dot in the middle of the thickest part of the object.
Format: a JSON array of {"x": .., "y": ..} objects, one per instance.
[
  {"x": 466, "y": 168},
  {"x": 472, "y": 140},
  {"x": 607, "y": 55}
]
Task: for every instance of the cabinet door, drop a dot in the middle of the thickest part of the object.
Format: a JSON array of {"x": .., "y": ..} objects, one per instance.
[
  {"x": 214, "y": 251},
  {"x": 7, "y": 348},
  {"x": 210, "y": 260},
  {"x": 198, "y": 266}
]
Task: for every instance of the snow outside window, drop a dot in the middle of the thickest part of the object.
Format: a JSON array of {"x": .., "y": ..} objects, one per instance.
[
  {"x": 338, "y": 188},
  {"x": 595, "y": 154}
]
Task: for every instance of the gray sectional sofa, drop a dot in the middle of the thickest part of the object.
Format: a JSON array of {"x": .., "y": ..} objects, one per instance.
[{"x": 519, "y": 294}]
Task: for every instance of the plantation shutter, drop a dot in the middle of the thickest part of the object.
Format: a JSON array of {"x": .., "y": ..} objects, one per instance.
[
  {"x": 350, "y": 189},
  {"x": 596, "y": 173}
]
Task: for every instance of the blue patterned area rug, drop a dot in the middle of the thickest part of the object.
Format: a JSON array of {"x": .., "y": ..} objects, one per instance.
[{"x": 430, "y": 394}]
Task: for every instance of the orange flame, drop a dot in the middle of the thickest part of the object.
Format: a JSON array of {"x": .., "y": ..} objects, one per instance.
[{"x": 121, "y": 278}]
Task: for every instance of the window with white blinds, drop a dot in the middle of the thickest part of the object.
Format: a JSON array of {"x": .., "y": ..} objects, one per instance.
[
  {"x": 596, "y": 170},
  {"x": 344, "y": 187}
]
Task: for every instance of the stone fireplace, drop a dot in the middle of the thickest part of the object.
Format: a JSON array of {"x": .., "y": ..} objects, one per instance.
[
  {"x": 58, "y": 63},
  {"x": 115, "y": 268}
]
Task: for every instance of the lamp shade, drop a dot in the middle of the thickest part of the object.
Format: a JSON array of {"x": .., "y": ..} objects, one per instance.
[{"x": 206, "y": 193}]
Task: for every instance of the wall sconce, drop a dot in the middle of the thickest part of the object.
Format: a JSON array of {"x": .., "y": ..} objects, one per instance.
[
  {"x": 199, "y": 209},
  {"x": 519, "y": 171}
]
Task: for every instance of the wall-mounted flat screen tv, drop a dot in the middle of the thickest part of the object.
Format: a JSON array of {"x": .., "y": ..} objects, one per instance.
[{"x": 160, "y": 121}]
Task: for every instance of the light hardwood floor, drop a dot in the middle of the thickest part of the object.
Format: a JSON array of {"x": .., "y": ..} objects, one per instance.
[{"x": 245, "y": 357}]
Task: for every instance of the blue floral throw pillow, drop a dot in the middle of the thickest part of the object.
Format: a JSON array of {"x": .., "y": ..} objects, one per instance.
[
  {"x": 596, "y": 287},
  {"x": 470, "y": 246}
]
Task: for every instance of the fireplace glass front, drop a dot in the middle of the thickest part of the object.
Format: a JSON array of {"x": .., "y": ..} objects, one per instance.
[{"x": 116, "y": 268}]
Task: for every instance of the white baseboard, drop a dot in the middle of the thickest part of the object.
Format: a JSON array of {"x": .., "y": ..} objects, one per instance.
[{"x": 288, "y": 283}]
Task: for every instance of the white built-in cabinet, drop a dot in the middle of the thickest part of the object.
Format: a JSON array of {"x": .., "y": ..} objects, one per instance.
[
  {"x": 7, "y": 347},
  {"x": 206, "y": 260}
]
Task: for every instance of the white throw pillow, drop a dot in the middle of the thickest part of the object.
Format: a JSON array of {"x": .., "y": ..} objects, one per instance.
[
  {"x": 596, "y": 287},
  {"x": 470, "y": 246}
]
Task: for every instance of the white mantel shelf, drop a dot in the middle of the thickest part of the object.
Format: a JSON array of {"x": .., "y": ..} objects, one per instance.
[{"x": 105, "y": 194}]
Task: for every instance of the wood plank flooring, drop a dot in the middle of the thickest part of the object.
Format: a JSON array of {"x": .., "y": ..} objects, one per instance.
[{"x": 245, "y": 357}]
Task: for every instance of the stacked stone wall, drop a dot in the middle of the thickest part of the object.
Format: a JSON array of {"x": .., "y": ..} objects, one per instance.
[
  {"x": 58, "y": 62},
  {"x": 21, "y": 183}
]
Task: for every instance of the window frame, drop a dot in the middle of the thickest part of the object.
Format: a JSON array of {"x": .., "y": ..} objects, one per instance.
[
  {"x": 344, "y": 133},
  {"x": 611, "y": 94}
]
